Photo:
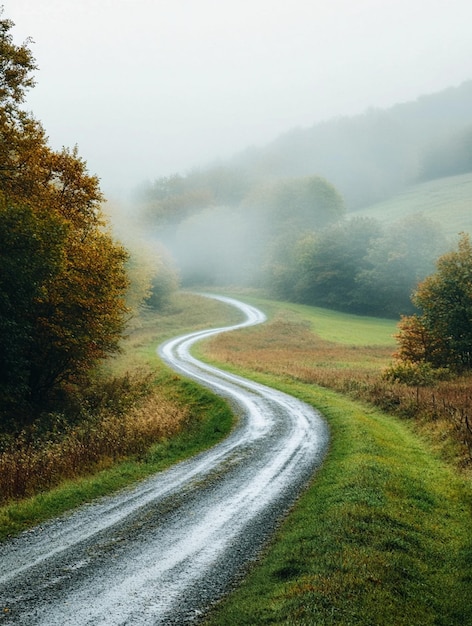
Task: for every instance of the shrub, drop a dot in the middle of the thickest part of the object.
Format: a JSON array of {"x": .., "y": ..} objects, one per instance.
[{"x": 415, "y": 374}]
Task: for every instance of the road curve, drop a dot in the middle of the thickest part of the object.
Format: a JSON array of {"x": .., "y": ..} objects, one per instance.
[{"x": 165, "y": 550}]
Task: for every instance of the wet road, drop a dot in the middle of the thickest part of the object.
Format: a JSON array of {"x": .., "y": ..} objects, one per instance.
[{"x": 165, "y": 550}]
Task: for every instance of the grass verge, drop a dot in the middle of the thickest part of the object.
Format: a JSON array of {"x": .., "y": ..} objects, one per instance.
[
  {"x": 209, "y": 420},
  {"x": 381, "y": 536}
]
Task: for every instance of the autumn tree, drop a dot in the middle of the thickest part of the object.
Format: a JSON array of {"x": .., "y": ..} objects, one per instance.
[
  {"x": 62, "y": 276},
  {"x": 442, "y": 334},
  {"x": 153, "y": 278}
]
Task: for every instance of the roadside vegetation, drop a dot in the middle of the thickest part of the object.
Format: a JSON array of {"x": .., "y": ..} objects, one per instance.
[
  {"x": 142, "y": 420},
  {"x": 382, "y": 534}
]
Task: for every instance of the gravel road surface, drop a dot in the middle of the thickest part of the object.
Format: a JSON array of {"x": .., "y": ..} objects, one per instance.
[{"x": 165, "y": 550}]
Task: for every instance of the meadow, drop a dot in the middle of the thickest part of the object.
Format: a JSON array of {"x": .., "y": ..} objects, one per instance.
[{"x": 349, "y": 354}]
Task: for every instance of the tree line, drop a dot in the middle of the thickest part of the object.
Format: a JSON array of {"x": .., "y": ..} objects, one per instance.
[{"x": 291, "y": 237}]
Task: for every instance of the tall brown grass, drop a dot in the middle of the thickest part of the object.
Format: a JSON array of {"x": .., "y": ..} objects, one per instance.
[
  {"x": 128, "y": 406},
  {"x": 442, "y": 412},
  {"x": 29, "y": 465}
]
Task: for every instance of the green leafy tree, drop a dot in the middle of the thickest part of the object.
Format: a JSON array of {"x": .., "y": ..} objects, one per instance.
[
  {"x": 442, "y": 334},
  {"x": 31, "y": 255},
  {"x": 285, "y": 213},
  {"x": 329, "y": 262},
  {"x": 395, "y": 263}
]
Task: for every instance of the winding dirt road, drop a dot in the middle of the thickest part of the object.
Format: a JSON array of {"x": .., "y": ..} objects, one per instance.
[{"x": 163, "y": 551}]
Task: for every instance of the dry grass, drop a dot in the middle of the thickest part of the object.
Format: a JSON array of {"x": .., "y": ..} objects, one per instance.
[
  {"x": 27, "y": 468},
  {"x": 289, "y": 348},
  {"x": 130, "y": 408}
]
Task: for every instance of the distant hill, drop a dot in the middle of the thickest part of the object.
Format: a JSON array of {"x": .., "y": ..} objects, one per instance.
[
  {"x": 383, "y": 161},
  {"x": 445, "y": 200},
  {"x": 372, "y": 156},
  {"x": 260, "y": 218}
]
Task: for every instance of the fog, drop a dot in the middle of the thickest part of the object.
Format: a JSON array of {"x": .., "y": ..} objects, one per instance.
[{"x": 146, "y": 88}]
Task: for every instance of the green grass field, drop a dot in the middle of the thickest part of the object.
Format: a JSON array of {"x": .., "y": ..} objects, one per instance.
[
  {"x": 380, "y": 537},
  {"x": 343, "y": 328},
  {"x": 446, "y": 200}
]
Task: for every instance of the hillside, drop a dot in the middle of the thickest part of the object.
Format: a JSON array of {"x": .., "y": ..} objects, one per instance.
[
  {"x": 271, "y": 217},
  {"x": 371, "y": 156},
  {"x": 368, "y": 157},
  {"x": 446, "y": 200}
]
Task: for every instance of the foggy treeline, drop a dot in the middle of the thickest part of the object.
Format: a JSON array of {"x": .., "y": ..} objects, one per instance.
[{"x": 283, "y": 217}]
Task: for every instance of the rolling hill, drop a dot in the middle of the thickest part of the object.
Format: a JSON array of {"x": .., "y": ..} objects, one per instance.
[{"x": 448, "y": 201}]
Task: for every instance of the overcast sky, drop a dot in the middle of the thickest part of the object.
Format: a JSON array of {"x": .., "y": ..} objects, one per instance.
[{"x": 151, "y": 87}]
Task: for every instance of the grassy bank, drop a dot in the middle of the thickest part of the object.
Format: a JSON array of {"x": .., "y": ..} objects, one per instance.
[
  {"x": 382, "y": 535},
  {"x": 208, "y": 419}
]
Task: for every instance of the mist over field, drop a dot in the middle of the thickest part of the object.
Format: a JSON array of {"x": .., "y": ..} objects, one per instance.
[{"x": 298, "y": 219}]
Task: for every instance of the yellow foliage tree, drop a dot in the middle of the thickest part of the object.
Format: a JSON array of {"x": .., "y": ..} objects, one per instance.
[{"x": 71, "y": 312}]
